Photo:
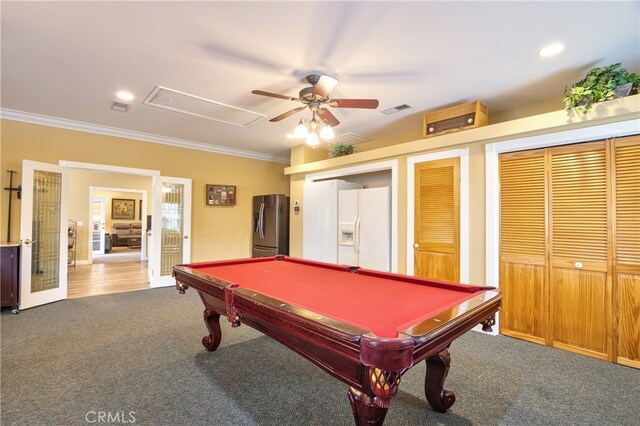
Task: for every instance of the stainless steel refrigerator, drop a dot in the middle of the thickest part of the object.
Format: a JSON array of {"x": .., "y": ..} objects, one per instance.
[{"x": 270, "y": 225}]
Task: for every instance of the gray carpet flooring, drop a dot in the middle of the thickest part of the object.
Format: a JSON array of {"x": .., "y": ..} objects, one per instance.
[{"x": 137, "y": 356}]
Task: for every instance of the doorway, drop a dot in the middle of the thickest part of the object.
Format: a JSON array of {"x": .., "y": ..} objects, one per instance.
[
  {"x": 171, "y": 203},
  {"x": 114, "y": 235},
  {"x": 116, "y": 240}
]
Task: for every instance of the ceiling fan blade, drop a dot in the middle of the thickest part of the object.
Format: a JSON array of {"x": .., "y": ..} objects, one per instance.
[
  {"x": 273, "y": 95},
  {"x": 288, "y": 114},
  {"x": 324, "y": 86},
  {"x": 354, "y": 103},
  {"x": 325, "y": 114}
]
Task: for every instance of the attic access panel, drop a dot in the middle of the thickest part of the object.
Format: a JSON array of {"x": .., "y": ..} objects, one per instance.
[{"x": 184, "y": 103}]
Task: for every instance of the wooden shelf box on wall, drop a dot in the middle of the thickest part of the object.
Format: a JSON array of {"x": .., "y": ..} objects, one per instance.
[{"x": 456, "y": 118}]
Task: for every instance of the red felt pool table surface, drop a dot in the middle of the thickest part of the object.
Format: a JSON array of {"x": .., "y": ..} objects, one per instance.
[{"x": 378, "y": 302}]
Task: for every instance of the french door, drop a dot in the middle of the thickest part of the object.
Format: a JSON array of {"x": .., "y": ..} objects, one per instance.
[
  {"x": 44, "y": 234},
  {"x": 98, "y": 207},
  {"x": 170, "y": 228}
]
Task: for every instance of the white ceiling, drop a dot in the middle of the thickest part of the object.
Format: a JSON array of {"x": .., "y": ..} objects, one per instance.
[{"x": 67, "y": 59}]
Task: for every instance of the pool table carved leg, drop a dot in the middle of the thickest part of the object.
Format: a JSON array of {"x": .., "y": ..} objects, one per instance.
[
  {"x": 365, "y": 410},
  {"x": 212, "y": 321},
  {"x": 438, "y": 397}
]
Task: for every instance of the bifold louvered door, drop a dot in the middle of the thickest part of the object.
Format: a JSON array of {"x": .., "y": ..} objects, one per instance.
[
  {"x": 580, "y": 281},
  {"x": 523, "y": 246},
  {"x": 627, "y": 250},
  {"x": 570, "y": 248},
  {"x": 437, "y": 219}
]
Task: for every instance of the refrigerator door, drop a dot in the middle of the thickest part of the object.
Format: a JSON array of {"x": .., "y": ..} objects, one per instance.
[
  {"x": 270, "y": 221},
  {"x": 270, "y": 225},
  {"x": 320, "y": 219},
  {"x": 257, "y": 216},
  {"x": 347, "y": 227},
  {"x": 373, "y": 233},
  {"x": 283, "y": 224}
]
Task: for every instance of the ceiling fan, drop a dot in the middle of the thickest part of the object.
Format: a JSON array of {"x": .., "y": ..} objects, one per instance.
[{"x": 316, "y": 96}]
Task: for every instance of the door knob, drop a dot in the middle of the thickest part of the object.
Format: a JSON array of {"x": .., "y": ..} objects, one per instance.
[
  {"x": 579, "y": 265},
  {"x": 186, "y": 236},
  {"x": 28, "y": 241},
  {"x": 416, "y": 245}
]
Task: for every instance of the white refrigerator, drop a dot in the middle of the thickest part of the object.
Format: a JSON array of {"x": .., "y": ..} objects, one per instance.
[
  {"x": 320, "y": 219},
  {"x": 364, "y": 236}
]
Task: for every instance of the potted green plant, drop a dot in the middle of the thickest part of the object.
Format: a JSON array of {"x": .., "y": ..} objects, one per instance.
[
  {"x": 340, "y": 149},
  {"x": 601, "y": 84}
]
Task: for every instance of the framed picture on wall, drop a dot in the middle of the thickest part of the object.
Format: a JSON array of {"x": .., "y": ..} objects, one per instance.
[
  {"x": 140, "y": 211},
  {"x": 122, "y": 208},
  {"x": 221, "y": 195}
]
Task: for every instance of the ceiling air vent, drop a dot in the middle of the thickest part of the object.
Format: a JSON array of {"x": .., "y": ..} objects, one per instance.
[
  {"x": 348, "y": 138},
  {"x": 119, "y": 106},
  {"x": 184, "y": 103},
  {"x": 395, "y": 109}
]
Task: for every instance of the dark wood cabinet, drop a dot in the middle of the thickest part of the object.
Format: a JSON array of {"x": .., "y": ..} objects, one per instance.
[{"x": 10, "y": 275}]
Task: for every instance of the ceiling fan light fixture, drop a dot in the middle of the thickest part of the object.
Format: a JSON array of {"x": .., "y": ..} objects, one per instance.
[
  {"x": 312, "y": 139},
  {"x": 301, "y": 130},
  {"x": 327, "y": 132}
]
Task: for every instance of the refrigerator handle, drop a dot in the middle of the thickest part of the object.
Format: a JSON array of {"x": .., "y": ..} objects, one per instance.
[
  {"x": 356, "y": 235},
  {"x": 261, "y": 220}
]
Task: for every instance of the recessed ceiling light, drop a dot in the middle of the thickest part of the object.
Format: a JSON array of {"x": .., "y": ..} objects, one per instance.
[
  {"x": 123, "y": 95},
  {"x": 551, "y": 49}
]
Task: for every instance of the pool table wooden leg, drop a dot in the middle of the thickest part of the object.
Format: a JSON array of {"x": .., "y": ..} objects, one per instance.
[
  {"x": 212, "y": 321},
  {"x": 365, "y": 411},
  {"x": 438, "y": 397}
]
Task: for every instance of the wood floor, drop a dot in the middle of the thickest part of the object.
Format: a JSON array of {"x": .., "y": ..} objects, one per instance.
[{"x": 106, "y": 278}]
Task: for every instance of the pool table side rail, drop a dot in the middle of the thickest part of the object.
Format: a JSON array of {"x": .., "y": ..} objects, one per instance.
[
  {"x": 486, "y": 299},
  {"x": 434, "y": 341}
]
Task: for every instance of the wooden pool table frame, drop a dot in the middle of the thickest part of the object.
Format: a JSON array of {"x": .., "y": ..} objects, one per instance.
[{"x": 372, "y": 366}]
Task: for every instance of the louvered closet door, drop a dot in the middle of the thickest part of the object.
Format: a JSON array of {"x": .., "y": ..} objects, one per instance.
[
  {"x": 437, "y": 219},
  {"x": 580, "y": 288},
  {"x": 627, "y": 248},
  {"x": 524, "y": 312}
]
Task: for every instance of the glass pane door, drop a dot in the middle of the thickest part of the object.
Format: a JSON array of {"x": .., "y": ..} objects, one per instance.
[
  {"x": 97, "y": 225},
  {"x": 44, "y": 234},
  {"x": 172, "y": 224},
  {"x": 170, "y": 228}
]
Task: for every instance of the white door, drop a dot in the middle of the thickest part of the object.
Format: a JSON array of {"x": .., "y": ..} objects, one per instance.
[
  {"x": 170, "y": 228},
  {"x": 373, "y": 232},
  {"x": 44, "y": 234},
  {"x": 98, "y": 207}
]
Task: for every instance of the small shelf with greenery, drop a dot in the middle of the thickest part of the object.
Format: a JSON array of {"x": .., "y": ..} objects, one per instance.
[
  {"x": 340, "y": 149},
  {"x": 601, "y": 84}
]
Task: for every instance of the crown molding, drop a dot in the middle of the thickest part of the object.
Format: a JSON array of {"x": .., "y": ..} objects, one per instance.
[{"x": 27, "y": 117}]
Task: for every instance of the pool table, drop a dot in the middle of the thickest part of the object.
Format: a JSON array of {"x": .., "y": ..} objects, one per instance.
[{"x": 365, "y": 328}]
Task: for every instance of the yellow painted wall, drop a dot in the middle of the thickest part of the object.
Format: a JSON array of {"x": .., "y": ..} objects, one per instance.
[
  {"x": 610, "y": 112},
  {"x": 217, "y": 232}
]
